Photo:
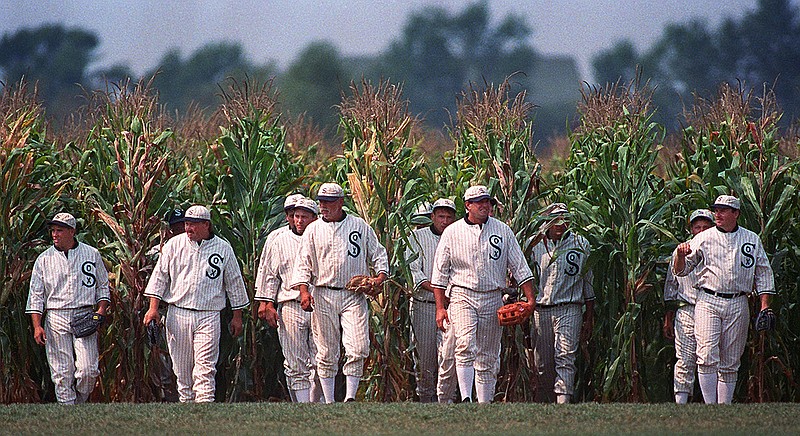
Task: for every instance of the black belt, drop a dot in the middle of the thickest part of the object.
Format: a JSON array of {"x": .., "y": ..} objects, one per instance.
[
  {"x": 419, "y": 300},
  {"x": 724, "y": 295},
  {"x": 330, "y": 287},
  {"x": 550, "y": 306}
]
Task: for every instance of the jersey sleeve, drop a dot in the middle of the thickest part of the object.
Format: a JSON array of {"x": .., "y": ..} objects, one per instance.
[
  {"x": 671, "y": 282},
  {"x": 101, "y": 292},
  {"x": 764, "y": 278},
  {"x": 271, "y": 282},
  {"x": 442, "y": 263},
  {"x": 415, "y": 249},
  {"x": 261, "y": 273},
  {"x": 377, "y": 252},
  {"x": 692, "y": 259},
  {"x": 36, "y": 290},
  {"x": 516, "y": 260},
  {"x": 233, "y": 283},
  {"x": 303, "y": 265},
  {"x": 159, "y": 281}
]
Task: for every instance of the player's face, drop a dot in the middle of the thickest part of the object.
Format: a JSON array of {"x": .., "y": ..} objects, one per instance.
[
  {"x": 176, "y": 229},
  {"x": 331, "y": 210},
  {"x": 725, "y": 217},
  {"x": 479, "y": 211},
  {"x": 198, "y": 231},
  {"x": 63, "y": 237},
  {"x": 557, "y": 230},
  {"x": 700, "y": 225},
  {"x": 441, "y": 218},
  {"x": 302, "y": 218},
  {"x": 290, "y": 218}
]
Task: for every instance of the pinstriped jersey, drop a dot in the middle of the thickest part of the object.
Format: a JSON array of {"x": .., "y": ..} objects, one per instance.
[
  {"x": 562, "y": 272},
  {"x": 198, "y": 276},
  {"x": 262, "y": 262},
  {"x": 332, "y": 252},
  {"x": 730, "y": 262},
  {"x": 680, "y": 288},
  {"x": 423, "y": 242},
  {"x": 67, "y": 281},
  {"x": 478, "y": 257},
  {"x": 272, "y": 283}
]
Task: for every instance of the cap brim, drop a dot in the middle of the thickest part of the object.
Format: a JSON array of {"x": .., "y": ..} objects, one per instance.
[
  {"x": 177, "y": 221},
  {"x": 327, "y": 198},
  {"x": 306, "y": 209},
  {"x": 60, "y": 224},
  {"x": 717, "y": 206},
  {"x": 195, "y": 220},
  {"x": 479, "y": 198},
  {"x": 445, "y": 207}
]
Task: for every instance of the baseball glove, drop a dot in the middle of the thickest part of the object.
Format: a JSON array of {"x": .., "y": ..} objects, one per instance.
[
  {"x": 362, "y": 285},
  {"x": 766, "y": 320},
  {"x": 154, "y": 336},
  {"x": 86, "y": 324},
  {"x": 514, "y": 313}
]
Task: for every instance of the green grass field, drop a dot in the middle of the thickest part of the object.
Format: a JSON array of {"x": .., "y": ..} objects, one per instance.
[{"x": 399, "y": 418}]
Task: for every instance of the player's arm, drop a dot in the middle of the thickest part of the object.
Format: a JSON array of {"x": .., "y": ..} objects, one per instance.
[
  {"x": 440, "y": 277},
  {"x": 268, "y": 293},
  {"x": 158, "y": 284},
  {"x": 670, "y": 297},
  {"x": 441, "y": 308},
  {"x": 686, "y": 258},
  {"x": 415, "y": 253},
  {"x": 379, "y": 260},
  {"x": 764, "y": 278},
  {"x": 35, "y": 304},
  {"x": 102, "y": 294},
  {"x": 233, "y": 284},
  {"x": 302, "y": 271}
]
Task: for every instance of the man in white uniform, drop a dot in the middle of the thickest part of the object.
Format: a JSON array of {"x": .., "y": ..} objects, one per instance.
[
  {"x": 565, "y": 286},
  {"x": 473, "y": 258},
  {"x": 292, "y": 322},
  {"x": 68, "y": 280},
  {"x": 425, "y": 336},
  {"x": 194, "y": 274},
  {"x": 680, "y": 295},
  {"x": 333, "y": 250},
  {"x": 731, "y": 264}
]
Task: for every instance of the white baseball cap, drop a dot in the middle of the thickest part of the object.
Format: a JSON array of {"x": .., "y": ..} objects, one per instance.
[
  {"x": 63, "y": 219},
  {"x": 701, "y": 213},
  {"x": 556, "y": 209},
  {"x": 423, "y": 209},
  {"x": 307, "y": 204},
  {"x": 726, "y": 201},
  {"x": 197, "y": 214},
  {"x": 477, "y": 193},
  {"x": 444, "y": 202},
  {"x": 330, "y": 192},
  {"x": 291, "y": 201}
]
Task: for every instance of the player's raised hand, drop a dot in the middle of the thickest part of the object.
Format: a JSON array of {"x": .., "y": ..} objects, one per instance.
[{"x": 684, "y": 249}]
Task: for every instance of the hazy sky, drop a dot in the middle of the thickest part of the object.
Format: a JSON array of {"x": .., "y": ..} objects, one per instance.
[{"x": 138, "y": 32}]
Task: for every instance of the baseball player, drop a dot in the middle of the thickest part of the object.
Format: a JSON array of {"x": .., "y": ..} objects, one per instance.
[
  {"x": 424, "y": 335},
  {"x": 333, "y": 250},
  {"x": 731, "y": 264},
  {"x": 680, "y": 296},
  {"x": 194, "y": 274},
  {"x": 565, "y": 287},
  {"x": 292, "y": 322},
  {"x": 68, "y": 280},
  {"x": 473, "y": 258}
]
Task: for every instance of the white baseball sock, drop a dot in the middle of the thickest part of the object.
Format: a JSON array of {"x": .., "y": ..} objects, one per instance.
[
  {"x": 301, "y": 395},
  {"x": 352, "y": 387},
  {"x": 315, "y": 394},
  {"x": 725, "y": 392},
  {"x": 563, "y": 398},
  {"x": 485, "y": 392},
  {"x": 328, "y": 387},
  {"x": 681, "y": 397},
  {"x": 708, "y": 384},
  {"x": 466, "y": 375}
]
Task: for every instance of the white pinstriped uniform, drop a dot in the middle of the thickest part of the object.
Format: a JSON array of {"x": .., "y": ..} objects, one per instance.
[
  {"x": 195, "y": 279},
  {"x": 473, "y": 260},
  {"x": 564, "y": 285},
  {"x": 263, "y": 260},
  {"x": 294, "y": 324},
  {"x": 447, "y": 382},
  {"x": 331, "y": 253},
  {"x": 732, "y": 263},
  {"x": 682, "y": 292},
  {"x": 63, "y": 286},
  {"x": 424, "y": 334}
]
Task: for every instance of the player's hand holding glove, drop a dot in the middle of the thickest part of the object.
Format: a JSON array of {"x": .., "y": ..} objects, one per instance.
[
  {"x": 766, "y": 320},
  {"x": 153, "y": 334},
  {"x": 363, "y": 285},
  {"x": 86, "y": 324},
  {"x": 514, "y": 313}
]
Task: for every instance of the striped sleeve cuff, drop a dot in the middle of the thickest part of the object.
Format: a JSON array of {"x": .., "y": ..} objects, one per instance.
[{"x": 529, "y": 278}]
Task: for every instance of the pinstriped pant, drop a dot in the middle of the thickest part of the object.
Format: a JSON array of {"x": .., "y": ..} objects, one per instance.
[
  {"x": 340, "y": 317},
  {"x": 447, "y": 384},
  {"x": 685, "y": 349},
  {"x": 477, "y": 332},
  {"x": 557, "y": 331},
  {"x": 721, "y": 330},
  {"x": 193, "y": 341},
  {"x": 424, "y": 337},
  {"x": 297, "y": 342},
  {"x": 73, "y": 361}
]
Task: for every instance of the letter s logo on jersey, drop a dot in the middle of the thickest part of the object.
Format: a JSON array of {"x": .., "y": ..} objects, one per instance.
[
  {"x": 214, "y": 263},
  {"x": 496, "y": 243},
  {"x": 747, "y": 252},
  {"x": 89, "y": 277},
  {"x": 355, "y": 247},
  {"x": 572, "y": 257}
]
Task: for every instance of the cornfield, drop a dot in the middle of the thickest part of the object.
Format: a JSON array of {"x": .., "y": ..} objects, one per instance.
[{"x": 629, "y": 184}]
